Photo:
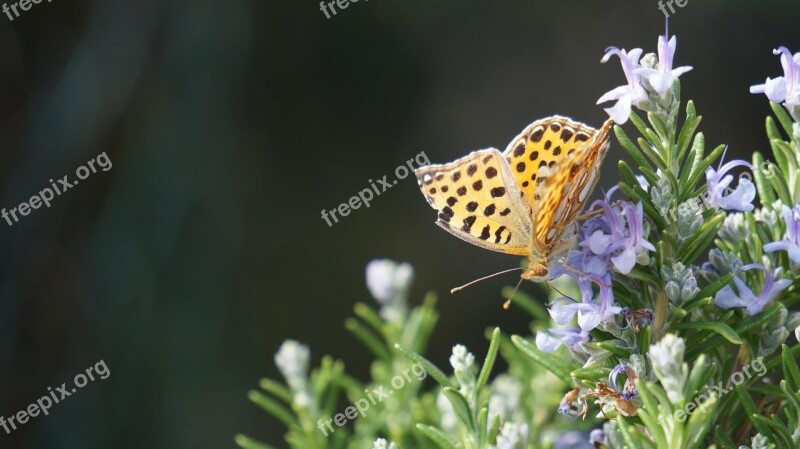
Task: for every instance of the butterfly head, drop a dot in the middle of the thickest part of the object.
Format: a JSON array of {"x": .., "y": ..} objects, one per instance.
[{"x": 536, "y": 272}]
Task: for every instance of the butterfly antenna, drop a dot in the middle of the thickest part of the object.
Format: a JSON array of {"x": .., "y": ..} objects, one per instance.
[
  {"x": 457, "y": 289},
  {"x": 559, "y": 291},
  {"x": 507, "y": 304}
]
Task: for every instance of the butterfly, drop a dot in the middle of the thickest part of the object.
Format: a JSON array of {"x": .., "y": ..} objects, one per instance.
[{"x": 524, "y": 201}]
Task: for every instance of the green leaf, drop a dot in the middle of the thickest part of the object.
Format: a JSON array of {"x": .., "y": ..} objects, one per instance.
[
  {"x": 699, "y": 170},
  {"x": 700, "y": 241},
  {"x": 791, "y": 396},
  {"x": 636, "y": 194},
  {"x": 700, "y": 423},
  {"x": 776, "y": 425},
  {"x": 652, "y": 153},
  {"x": 765, "y": 192},
  {"x": 639, "y": 124},
  {"x": 688, "y": 130},
  {"x": 625, "y": 429},
  {"x": 246, "y": 442},
  {"x": 548, "y": 361},
  {"x": 783, "y": 117},
  {"x": 281, "y": 392},
  {"x": 649, "y": 175},
  {"x": 593, "y": 373},
  {"x": 436, "y": 435},
  {"x": 630, "y": 147},
  {"x": 429, "y": 367},
  {"x": 626, "y": 173},
  {"x": 778, "y": 182},
  {"x": 698, "y": 376},
  {"x": 370, "y": 316},
  {"x": 723, "y": 438},
  {"x": 750, "y": 409},
  {"x": 460, "y": 407},
  {"x": 694, "y": 160},
  {"x": 370, "y": 340},
  {"x": 741, "y": 328},
  {"x": 790, "y": 370},
  {"x": 488, "y": 363},
  {"x": 649, "y": 414},
  {"x": 273, "y": 408},
  {"x": 721, "y": 328}
]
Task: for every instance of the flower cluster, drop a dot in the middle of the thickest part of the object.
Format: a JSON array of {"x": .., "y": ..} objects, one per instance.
[
  {"x": 784, "y": 89},
  {"x": 649, "y": 84},
  {"x": 645, "y": 324},
  {"x": 614, "y": 240}
]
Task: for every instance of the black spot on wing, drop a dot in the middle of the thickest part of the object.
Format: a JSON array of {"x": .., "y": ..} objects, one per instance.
[
  {"x": 498, "y": 233},
  {"x": 468, "y": 222}
]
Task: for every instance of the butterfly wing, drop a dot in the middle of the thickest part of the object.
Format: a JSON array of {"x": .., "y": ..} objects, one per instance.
[
  {"x": 555, "y": 162},
  {"x": 568, "y": 187},
  {"x": 478, "y": 201}
]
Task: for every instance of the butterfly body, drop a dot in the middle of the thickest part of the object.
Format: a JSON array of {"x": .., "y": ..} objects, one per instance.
[{"x": 525, "y": 200}]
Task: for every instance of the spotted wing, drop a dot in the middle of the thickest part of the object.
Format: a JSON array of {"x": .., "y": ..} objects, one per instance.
[
  {"x": 478, "y": 201},
  {"x": 569, "y": 185},
  {"x": 535, "y": 152}
]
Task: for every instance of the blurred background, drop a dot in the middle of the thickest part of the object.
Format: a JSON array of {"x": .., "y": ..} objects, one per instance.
[{"x": 230, "y": 125}]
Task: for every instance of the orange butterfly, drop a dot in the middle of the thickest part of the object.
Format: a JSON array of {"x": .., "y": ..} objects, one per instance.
[{"x": 525, "y": 200}]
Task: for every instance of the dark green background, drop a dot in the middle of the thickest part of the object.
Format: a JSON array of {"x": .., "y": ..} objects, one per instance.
[{"x": 230, "y": 125}]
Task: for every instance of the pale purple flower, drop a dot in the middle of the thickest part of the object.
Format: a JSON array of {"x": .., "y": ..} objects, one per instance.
[
  {"x": 590, "y": 313},
  {"x": 632, "y": 94},
  {"x": 728, "y": 298},
  {"x": 784, "y": 89},
  {"x": 662, "y": 77},
  {"x": 721, "y": 196},
  {"x": 573, "y": 440},
  {"x": 634, "y": 247},
  {"x": 628, "y": 389},
  {"x": 791, "y": 241},
  {"x": 597, "y": 437},
  {"x": 572, "y": 338},
  {"x": 615, "y": 238}
]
